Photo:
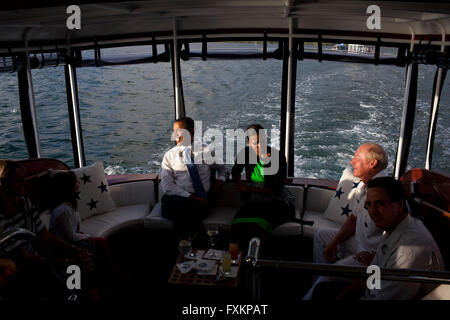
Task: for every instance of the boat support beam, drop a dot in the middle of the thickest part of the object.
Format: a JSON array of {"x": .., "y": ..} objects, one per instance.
[
  {"x": 74, "y": 113},
  {"x": 407, "y": 122},
  {"x": 290, "y": 100},
  {"x": 176, "y": 75},
  {"x": 28, "y": 107},
  {"x": 437, "y": 89}
]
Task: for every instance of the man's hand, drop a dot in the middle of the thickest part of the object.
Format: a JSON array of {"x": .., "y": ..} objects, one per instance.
[
  {"x": 330, "y": 252},
  {"x": 364, "y": 257},
  {"x": 198, "y": 199},
  {"x": 7, "y": 269}
]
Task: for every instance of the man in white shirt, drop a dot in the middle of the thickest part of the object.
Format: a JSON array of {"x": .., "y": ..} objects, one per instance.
[
  {"x": 356, "y": 241},
  {"x": 186, "y": 184},
  {"x": 406, "y": 244}
]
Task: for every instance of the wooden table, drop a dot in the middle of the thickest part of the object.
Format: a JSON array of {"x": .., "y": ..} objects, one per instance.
[{"x": 192, "y": 278}]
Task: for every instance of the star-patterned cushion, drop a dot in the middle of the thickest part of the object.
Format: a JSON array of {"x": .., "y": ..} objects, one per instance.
[
  {"x": 342, "y": 204},
  {"x": 94, "y": 197}
]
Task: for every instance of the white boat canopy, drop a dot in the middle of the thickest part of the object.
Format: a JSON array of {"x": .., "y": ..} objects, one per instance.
[{"x": 108, "y": 22}]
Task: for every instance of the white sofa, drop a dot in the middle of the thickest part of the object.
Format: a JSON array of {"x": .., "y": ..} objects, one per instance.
[
  {"x": 316, "y": 203},
  {"x": 230, "y": 201},
  {"x": 133, "y": 201}
]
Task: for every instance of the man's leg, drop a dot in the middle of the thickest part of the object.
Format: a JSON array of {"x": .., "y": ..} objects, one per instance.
[
  {"x": 186, "y": 214},
  {"x": 348, "y": 261},
  {"x": 322, "y": 238}
]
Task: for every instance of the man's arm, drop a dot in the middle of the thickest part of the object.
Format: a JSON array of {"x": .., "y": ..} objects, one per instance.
[
  {"x": 346, "y": 231},
  {"x": 168, "y": 180}
]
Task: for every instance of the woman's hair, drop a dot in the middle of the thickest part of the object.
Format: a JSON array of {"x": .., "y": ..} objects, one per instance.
[
  {"x": 7, "y": 169},
  {"x": 61, "y": 189}
]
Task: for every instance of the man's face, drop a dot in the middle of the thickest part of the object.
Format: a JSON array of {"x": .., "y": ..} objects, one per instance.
[
  {"x": 382, "y": 210},
  {"x": 253, "y": 142},
  {"x": 361, "y": 165},
  {"x": 181, "y": 135}
]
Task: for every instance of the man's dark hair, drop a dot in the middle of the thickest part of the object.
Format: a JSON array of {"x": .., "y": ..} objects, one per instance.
[
  {"x": 393, "y": 188},
  {"x": 186, "y": 123}
]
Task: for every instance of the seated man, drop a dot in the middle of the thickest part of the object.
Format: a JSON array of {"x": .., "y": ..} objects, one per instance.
[
  {"x": 185, "y": 184},
  {"x": 406, "y": 244},
  {"x": 357, "y": 239}
]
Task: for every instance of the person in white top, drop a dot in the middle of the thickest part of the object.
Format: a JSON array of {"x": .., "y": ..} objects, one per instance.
[
  {"x": 65, "y": 222},
  {"x": 406, "y": 244},
  {"x": 186, "y": 181},
  {"x": 356, "y": 241}
]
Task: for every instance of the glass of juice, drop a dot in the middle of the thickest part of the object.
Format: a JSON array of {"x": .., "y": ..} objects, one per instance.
[
  {"x": 226, "y": 262},
  {"x": 234, "y": 251}
]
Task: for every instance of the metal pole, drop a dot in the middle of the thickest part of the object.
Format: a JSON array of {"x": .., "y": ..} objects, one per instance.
[
  {"x": 179, "y": 103},
  {"x": 32, "y": 101},
  {"x": 407, "y": 122},
  {"x": 290, "y": 110},
  {"x": 74, "y": 114},
  {"x": 439, "y": 82}
]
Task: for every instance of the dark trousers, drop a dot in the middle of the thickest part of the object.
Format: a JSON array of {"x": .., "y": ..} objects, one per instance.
[{"x": 187, "y": 214}]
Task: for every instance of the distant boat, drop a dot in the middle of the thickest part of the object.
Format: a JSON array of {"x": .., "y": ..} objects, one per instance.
[{"x": 360, "y": 48}]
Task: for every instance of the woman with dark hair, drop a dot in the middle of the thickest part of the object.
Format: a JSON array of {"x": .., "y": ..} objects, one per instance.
[{"x": 267, "y": 202}]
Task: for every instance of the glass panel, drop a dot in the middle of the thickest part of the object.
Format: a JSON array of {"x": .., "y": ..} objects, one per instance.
[
  {"x": 232, "y": 94},
  {"x": 12, "y": 142},
  {"x": 126, "y": 114},
  {"x": 340, "y": 106},
  {"x": 53, "y": 118}
]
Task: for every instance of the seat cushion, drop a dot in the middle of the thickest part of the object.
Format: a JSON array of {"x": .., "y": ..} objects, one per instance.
[
  {"x": 124, "y": 217},
  {"x": 95, "y": 196},
  {"x": 220, "y": 217},
  {"x": 344, "y": 198},
  {"x": 320, "y": 222},
  {"x": 155, "y": 220}
]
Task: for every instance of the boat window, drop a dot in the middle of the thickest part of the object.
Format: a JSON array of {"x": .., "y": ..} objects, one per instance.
[
  {"x": 441, "y": 148},
  {"x": 232, "y": 94},
  {"x": 53, "y": 118},
  {"x": 12, "y": 141},
  {"x": 340, "y": 106},
  {"x": 126, "y": 112}
]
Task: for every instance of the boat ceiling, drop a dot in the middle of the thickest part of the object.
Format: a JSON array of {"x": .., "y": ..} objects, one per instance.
[{"x": 109, "y": 22}]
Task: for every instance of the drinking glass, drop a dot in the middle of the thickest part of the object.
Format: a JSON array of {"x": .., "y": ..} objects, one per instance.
[
  {"x": 212, "y": 234},
  {"x": 226, "y": 262},
  {"x": 185, "y": 247},
  {"x": 234, "y": 251}
]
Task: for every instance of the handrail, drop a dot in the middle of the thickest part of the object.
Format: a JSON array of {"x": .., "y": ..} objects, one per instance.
[
  {"x": 19, "y": 233},
  {"x": 438, "y": 277}
]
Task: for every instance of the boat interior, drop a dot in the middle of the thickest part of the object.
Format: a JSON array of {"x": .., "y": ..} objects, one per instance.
[{"x": 142, "y": 242}]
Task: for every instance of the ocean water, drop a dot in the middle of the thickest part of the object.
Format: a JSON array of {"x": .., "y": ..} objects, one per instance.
[{"x": 127, "y": 111}]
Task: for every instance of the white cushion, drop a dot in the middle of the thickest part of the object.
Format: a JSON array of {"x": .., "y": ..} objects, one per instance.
[
  {"x": 319, "y": 223},
  {"x": 94, "y": 197},
  {"x": 103, "y": 225},
  {"x": 155, "y": 220},
  {"x": 221, "y": 217},
  {"x": 297, "y": 192},
  {"x": 344, "y": 198},
  {"x": 138, "y": 192}
]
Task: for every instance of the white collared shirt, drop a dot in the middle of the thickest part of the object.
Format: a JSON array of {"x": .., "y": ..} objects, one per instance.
[
  {"x": 175, "y": 178},
  {"x": 367, "y": 235},
  {"x": 409, "y": 246}
]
